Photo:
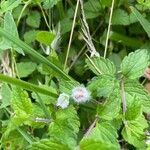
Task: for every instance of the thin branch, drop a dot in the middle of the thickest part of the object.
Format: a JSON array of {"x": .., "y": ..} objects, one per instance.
[
  {"x": 91, "y": 127},
  {"x": 109, "y": 25},
  {"x": 71, "y": 34}
]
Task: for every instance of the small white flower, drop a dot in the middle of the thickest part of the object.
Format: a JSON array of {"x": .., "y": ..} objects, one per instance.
[
  {"x": 80, "y": 94},
  {"x": 63, "y": 101}
]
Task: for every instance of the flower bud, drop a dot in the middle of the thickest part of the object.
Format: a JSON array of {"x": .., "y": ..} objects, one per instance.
[
  {"x": 63, "y": 101},
  {"x": 80, "y": 94}
]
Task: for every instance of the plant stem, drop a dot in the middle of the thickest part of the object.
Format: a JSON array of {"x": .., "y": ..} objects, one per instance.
[
  {"x": 124, "y": 104},
  {"x": 109, "y": 25},
  {"x": 71, "y": 34},
  {"x": 91, "y": 127},
  {"x": 23, "y": 9},
  {"x": 44, "y": 16},
  {"x": 26, "y": 85}
]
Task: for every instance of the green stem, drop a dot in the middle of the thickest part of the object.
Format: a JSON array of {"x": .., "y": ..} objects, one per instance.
[
  {"x": 71, "y": 34},
  {"x": 109, "y": 25},
  {"x": 23, "y": 9},
  {"x": 26, "y": 85}
]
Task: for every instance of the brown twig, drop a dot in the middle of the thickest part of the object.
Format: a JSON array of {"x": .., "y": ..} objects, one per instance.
[{"x": 91, "y": 127}]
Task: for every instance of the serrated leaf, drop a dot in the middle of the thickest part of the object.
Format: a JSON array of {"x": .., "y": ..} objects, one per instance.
[
  {"x": 25, "y": 68},
  {"x": 12, "y": 139},
  {"x": 100, "y": 66},
  {"x": 133, "y": 111},
  {"x": 120, "y": 17},
  {"x": 111, "y": 108},
  {"x": 92, "y": 9},
  {"x": 135, "y": 93},
  {"x": 133, "y": 132},
  {"x": 90, "y": 144},
  {"x": 34, "y": 19},
  {"x": 45, "y": 37},
  {"x": 47, "y": 144},
  {"x": 6, "y": 95},
  {"x": 134, "y": 64},
  {"x": 21, "y": 105},
  {"x": 103, "y": 134},
  {"x": 144, "y": 22},
  {"x": 65, "y": 127},
  {"x": 103, "y": 85}
]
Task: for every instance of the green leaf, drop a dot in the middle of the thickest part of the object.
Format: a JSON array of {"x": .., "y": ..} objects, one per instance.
[
  {"x": 103, "y": 86},
  {"x": 90, "y": 144},
  {"x": 65, "y": 127},
  {"x": 120, "y": 17},
  {"x": 135, "y": 63},
  {"x": 25, "y": 68},
  {"x": 92, "y": 9},
  {"x": 144, "y": 22},
  {"x": 111, "y": 108},
  {"x": 133, "y": 111},
  {"x": 11, "y": 138},
  {"x": 21, "y": 105},
  {"x": 6, "y": 96},
  {"x": 133, "y": 132},
  {"x": 30, "y": 36},
  {"x": 47, "y": 144},
  {"x": 8, "y": 5},
  {"x": 65, "y": 25},
  {"x": 45, "y": 37},
  {"x": 34, "y": 19},
  {"x": 10, "y": 26},
  {"x": 105, "y": 134},
  {"x": 99, "y": 66},
  {"x": 48, "y": 4},
  {"x": 136, "y": 93}
]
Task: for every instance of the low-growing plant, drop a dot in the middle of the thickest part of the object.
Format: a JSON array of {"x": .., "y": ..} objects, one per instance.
[{"x": 57, "y": 98}]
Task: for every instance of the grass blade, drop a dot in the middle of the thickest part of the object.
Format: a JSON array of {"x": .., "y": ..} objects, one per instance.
[
  {"x": 26, "y": 85},
  {"x": 145, "y": 23},
  {"x": 28, "y": 50}
]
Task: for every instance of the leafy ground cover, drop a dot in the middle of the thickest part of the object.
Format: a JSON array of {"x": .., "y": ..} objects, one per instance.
[{"x": 74, "y": 75}]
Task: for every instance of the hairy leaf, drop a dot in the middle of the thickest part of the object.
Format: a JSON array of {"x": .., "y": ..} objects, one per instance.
[
  {"x": 65, "y": 127},
  {"x": 100, "y": 66},
  {"x": 103, "y": 86},
  {"x": 111, "y": 108},
  {"x": 104, "y": 134},
  {"x": 21, "y": 105},
  {"x": 133, "y": 132},
  {"x": 47, "y": 144},
  {"x": 135, "y": 63}
]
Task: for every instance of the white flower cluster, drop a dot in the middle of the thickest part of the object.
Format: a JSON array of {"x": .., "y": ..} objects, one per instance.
[
  {"x": 79, "y": 94},
  {"x": 63, "y": 101}
]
